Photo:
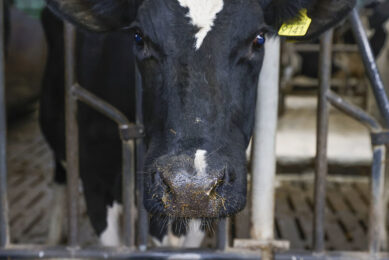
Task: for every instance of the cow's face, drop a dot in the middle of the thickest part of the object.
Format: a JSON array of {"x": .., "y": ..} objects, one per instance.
[{"x": 199, "y": 61}]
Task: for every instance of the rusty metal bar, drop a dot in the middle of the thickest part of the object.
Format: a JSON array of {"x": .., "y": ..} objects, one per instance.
[
  {"x": 72, "y": 158},
  {"x": 4, "y": 228},
  {"x": 128, "y": 168},
  {"x": 143, "y": 216},
  {"x": 370, "y": 65},
  {"x": 321, "y": 148}
]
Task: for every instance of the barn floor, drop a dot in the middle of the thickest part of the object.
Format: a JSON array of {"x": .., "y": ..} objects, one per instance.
[{"x": 30, "y": 173}]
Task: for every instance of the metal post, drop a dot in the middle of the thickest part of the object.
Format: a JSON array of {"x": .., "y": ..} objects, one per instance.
[
  {"x": 370, "y": 65},
  {"x": 222, "y": 234},
  {"x": 71, "y": 136},
  {"x": 143, "y": 217},
  {"x": 264, "y": 158},
  {"x": 322, "y": 134},
  {"x": 376, "y": 200},
  {"x": 128, "y": 192},
  {"x": 4, "y": 231}
]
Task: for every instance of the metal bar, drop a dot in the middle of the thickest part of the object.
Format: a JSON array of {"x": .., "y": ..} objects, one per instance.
[
  {"x": 354, "y": 112},
  {"x": 125, "y": 253},
  {"x": 370, "y": 65},
  {"x": 4, "y": 228},
  {"x": 71, "y": 136},
  {"x": 143, "y": 216},
  {"x": 264, "y": 159},
  {"x": 376, "y": 220},
  {"x": 127, "y": 130},
  {"x": 100, "y": 105},
  {"x": 222, "y": 234},
  {"x": 304, "y": 47},
  {"x": 322, "y": 132},
  {"x": 128, "y": 166}
]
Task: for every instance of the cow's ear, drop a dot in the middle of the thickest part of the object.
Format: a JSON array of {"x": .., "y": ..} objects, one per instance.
[
  {"x": 96, "y": 15},
  {"x": 320, "y": 15}
]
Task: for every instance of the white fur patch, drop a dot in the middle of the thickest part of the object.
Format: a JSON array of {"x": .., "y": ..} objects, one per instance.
[
  {"x": 202, "y": 14},
  {"x": 195, "y": 235},
  {"x": 111, "y": 235},
  {"x": 200, "y": 162},
  {"x": 193, "y": 238}
]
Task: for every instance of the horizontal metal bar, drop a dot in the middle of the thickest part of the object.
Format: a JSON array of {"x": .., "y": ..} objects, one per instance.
[
  {"x": 354, "y": 112},
  {"x": 125, "y": 253},
  {"x": 316, "y": 47},
  {"x": 127, "y": 130}
]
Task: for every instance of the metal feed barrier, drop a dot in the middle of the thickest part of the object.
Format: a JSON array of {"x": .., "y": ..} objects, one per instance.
[{"x": 262, "y": 245}]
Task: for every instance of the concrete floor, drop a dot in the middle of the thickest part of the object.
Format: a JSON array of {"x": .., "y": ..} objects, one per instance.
[{"x": 348, "y": 141}]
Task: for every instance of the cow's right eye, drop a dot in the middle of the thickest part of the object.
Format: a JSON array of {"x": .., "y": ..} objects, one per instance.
[{"x": 138, "y": 39}]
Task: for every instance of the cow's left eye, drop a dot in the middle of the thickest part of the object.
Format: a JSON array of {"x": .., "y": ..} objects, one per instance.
[
  {"x": 259, "y": 40},
  {"x": 138, "y": 38}
]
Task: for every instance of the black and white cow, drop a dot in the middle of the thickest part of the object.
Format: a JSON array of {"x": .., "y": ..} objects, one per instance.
[{"x": 199, "y": 61}]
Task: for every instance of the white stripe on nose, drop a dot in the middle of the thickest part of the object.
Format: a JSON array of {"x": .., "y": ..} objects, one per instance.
[{"x": 200, "y": 162}]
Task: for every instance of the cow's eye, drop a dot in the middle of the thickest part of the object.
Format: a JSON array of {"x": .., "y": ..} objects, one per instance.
[
  {"x": 259, "y": 40},
  {"x": 138, "y": 39}
]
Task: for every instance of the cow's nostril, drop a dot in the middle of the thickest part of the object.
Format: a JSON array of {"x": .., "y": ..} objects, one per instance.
[
  {"x": 212, "y": 191},
  {"x": 228, "y": 177}
]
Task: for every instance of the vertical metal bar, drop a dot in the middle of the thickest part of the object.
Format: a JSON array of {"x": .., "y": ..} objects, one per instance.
[
  {"x": 222, "y": 234},
  {"x": 71, "y": 136},
  {"x": 370, "y": 65},
  {"x": 264, "y": 159},
  {"x": 376, "y": 221},
  {"x": 143, "y": 217},
  {"x": 128, "y": 168},
  {"x": 322, "y": 132},
  {"x": 4, "y": 231}
]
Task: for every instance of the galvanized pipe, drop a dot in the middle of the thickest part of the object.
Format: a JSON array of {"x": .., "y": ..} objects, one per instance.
[
  {"x": 370, "y": 66},
  {"x": 264, "y": 158},
  {"x": 222, "y": 234},
  {"x": 376, "y": 221},
  {"x": 143, "y": 216},
  {"x": 354, "y": 112},
  {"x": 99, "y": 105},
  {"x": 4, "y": 229},
  {"x": 322, "y": 133},
  {"x": 72, "y": 147},
  {"x": 125, "y": 253},
  {"x": 128, "y": 168}
]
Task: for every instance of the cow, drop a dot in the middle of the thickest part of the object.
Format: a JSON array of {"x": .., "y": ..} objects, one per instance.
[{"x": 199, "y": 62}]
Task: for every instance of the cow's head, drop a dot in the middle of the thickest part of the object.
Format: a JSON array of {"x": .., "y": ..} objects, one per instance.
[{"x": 199, "y": 61}]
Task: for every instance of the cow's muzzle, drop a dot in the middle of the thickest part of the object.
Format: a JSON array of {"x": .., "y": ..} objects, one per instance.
[{"x": 187, "y": 194}]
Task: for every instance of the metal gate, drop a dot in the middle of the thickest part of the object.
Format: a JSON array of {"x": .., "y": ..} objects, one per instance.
[{"x": 262, "y": 245}]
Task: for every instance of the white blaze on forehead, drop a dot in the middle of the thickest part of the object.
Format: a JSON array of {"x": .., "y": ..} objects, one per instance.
[
  {"x": 200, "y": 162},
  {"x": 202, "y": 14}
]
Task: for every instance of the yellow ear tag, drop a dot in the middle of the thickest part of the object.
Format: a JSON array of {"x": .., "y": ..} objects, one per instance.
[{"x": 298, "y": 26}]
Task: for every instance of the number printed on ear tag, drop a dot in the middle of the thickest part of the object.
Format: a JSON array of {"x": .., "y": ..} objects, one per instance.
[{"x": 298, "y": 26}]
